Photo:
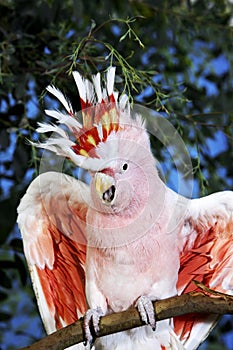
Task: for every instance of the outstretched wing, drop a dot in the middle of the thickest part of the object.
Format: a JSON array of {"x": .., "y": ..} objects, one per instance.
[
  {"x": 52, "y": 220},
  {"x": 206, "y": 256}
]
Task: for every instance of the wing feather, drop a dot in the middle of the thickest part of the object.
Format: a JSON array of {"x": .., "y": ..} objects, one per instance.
[
  {"x": 52, "y": 220},
  {"x": 206, "y": 256}
]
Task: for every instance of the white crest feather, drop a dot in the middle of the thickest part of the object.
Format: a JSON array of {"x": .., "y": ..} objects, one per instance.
[
  {"x": 59, "y": 95},
  {"x": 89, "y": 91},
  {"x": 51, "y": 128},
  {"x": 93, "y": 93},
  {"x": 100, "y": 130},
  {"x": 60, "y": 146},
  {"x": 91, "y": 164},
  {"x": 104, "y": 94},
  {"x": 66, "y": 119},
  {"x": 124, "y": 102},
  {"x": 80, "y": 82},
  {"x": 110, "y": 80},
  {"x": 97, "y": 86},
  {"x": 116, "y": 94},
  {"x": 60, "y": 142}
]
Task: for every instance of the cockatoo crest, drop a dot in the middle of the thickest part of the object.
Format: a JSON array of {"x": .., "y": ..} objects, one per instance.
[{"x": 103, "y": 114}]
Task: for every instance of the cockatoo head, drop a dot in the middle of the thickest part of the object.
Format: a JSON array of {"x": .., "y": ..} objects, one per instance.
[
  {"x": 108, "y": 140},
  {"x": 122, "y": 188},
  {"x": 122, "y": 180}
]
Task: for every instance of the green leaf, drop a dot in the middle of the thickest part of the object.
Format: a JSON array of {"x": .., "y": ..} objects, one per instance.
[
  {"x": 4, "y": 316},
  {"x": 4, "y": 139},
  {"x": 17, "y": 244},
  {"x": 3, "y": 296},
  {"x": 7, "y": 218},
  {"x": 5, "y": 281},
  {"x": 20, "y": 264}
]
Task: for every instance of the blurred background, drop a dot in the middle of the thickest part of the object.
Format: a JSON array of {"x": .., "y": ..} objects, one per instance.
[{"x": 175, "y": 57}]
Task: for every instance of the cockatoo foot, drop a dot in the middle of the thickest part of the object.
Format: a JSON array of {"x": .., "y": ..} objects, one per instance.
[
  {"x": 146, "y": 311},
  {"x": 91, "y": 325}
]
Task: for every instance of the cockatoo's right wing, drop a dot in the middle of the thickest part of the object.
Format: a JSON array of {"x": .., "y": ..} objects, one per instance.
[
  {"x": 206, "y": 244},
  {"x": 52, "y": 221}
]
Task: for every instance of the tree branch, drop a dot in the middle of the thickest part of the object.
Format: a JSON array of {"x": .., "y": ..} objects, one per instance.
[{"x": 196, "y": 302}]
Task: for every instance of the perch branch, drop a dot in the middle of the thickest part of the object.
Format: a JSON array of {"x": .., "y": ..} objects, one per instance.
[{"x": 196, "y": 302}]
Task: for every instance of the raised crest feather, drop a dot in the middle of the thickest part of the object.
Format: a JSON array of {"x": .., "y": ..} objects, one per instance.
[
  {"x": 110, "y": 80},
  {"x": 80, "y": 83},
  {"x": 97, "y": 85},
  {"x": 100, "y": 115},
  {"x": 59, "y": 95},
  {"x": 43, "y": 127},
  {"x": 71, "y": 123}
]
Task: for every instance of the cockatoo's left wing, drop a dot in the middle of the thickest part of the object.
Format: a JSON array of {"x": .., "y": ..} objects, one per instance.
[
  {"x": 207, "y": 256},
  {"x": 52, "y": 221}
]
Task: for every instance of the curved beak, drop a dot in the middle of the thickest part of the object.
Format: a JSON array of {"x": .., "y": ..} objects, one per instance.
[{"x": 105, "y": 187}]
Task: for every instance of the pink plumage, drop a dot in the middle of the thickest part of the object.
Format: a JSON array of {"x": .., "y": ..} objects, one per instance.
[{"x": 125, "y": 236}]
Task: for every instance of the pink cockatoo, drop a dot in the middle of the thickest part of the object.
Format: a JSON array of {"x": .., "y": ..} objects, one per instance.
[{"x": 126, "y": 238}]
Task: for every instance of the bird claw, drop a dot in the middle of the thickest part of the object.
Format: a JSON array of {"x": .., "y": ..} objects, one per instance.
[
  {"x": 146, "y": 311},
  {"x": 91, "y": 325}
]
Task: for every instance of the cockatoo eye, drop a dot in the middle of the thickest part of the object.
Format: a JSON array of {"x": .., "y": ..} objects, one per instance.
[{"x": 124, "y": 166}]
